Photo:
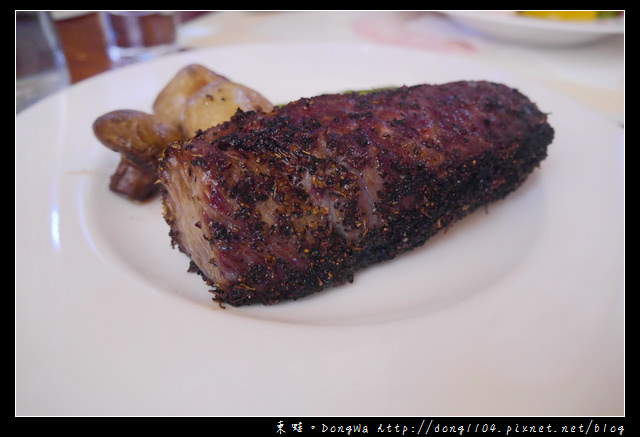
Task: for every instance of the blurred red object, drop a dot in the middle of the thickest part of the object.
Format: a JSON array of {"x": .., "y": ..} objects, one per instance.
[{"x": 84, "y": 46}]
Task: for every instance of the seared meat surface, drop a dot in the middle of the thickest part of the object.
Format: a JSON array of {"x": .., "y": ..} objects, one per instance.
[{"x": 274, "y": 206}]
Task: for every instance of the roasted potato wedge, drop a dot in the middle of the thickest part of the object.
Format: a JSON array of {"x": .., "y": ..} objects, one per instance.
[
  {"x": 140, "y": 138},
  {"x": 170, "y": 102},
  {"x": 133, "y": 181},
  {"x": 217, "y": 102},
  {"x": 196, "y": 98}
]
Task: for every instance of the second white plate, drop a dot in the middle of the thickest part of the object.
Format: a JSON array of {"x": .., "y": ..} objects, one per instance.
[{"x": 509, "y": 26}]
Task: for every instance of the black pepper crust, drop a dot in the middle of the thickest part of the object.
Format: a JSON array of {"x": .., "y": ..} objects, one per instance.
[{"x": 277, "y": 206}]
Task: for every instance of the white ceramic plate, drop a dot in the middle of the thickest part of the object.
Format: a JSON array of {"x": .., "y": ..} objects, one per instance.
[
  {"x": 517, "y": 310},
  {"x": 508, "y": 26}
]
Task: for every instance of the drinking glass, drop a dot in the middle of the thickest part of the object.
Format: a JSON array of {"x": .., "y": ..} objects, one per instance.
[
  {"x": 140, "y": 35},
  {"x": 41, "y": 67}
]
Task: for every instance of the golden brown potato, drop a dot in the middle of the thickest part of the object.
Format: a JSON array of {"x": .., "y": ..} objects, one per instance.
[
  {"x": 133, "y": 181},
  {"x": 170, "y": 102},
  {"x": 138, "y": 136},
  {"x": 217, "y": 102},
  {"x": 195, "y": 98}
]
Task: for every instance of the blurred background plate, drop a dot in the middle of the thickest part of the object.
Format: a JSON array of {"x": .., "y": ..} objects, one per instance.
[{"x": 509, "y": 26}]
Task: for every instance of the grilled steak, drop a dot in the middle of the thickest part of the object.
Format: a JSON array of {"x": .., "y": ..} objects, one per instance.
[{"x": 278, "y": 205}]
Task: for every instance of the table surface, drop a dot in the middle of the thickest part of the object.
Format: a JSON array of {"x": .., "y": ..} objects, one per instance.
[{"x": 591, "y": 73}]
